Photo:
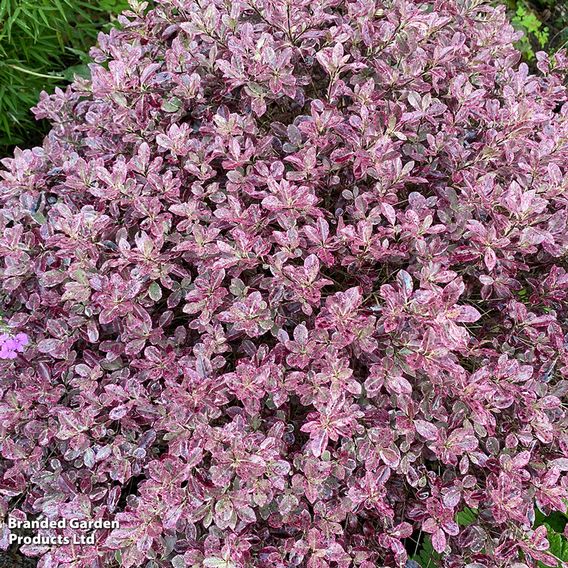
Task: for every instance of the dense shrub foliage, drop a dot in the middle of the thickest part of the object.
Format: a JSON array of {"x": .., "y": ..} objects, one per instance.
[{"x": 293, "y": 275}]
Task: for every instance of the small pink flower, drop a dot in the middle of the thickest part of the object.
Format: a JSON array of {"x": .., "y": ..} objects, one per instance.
[{"x": 10, "y": 346}]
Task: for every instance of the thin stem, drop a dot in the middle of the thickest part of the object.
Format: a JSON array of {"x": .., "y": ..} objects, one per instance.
[{"x": 23, "y": 70}]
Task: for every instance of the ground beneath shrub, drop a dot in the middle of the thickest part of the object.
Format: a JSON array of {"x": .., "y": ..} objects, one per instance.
[{"x": 13, "y": 559}]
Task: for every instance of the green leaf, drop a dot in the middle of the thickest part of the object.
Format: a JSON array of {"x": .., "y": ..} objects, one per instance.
[
  {"x": 81, "y": 70},
  {"x": 171, "y": 105},
  {"x": 38, "y": 218},
  {"x": 427, "y": 557},
  {"x": 557, "y": 521},
  {"x": 466, "y": 517},
  {"x": 155, "y": 292},
  {"x": 42, "y": 46},
  {"x": 558, "y": 545}
]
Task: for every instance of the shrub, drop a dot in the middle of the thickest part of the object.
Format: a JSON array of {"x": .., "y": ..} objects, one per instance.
[
  {"x": 42, "y": 45},
  {"x": 294, "y": 280}
]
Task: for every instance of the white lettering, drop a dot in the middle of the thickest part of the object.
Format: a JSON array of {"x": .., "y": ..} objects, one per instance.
[
  {"x": 84, "y": 539},
  {"x": 12, "y": 523},
  {"x": 52, "y": 524}
]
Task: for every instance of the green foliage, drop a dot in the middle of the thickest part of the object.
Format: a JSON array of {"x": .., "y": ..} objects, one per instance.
[
  {"x": 466, "y": 517},
  {"x": 555, "y": 524},
  {"x": 555, "y": 520},
  {"x": 42, "y": 44},
  {"x": 544, "y": 24},
  {"x": 558, "y": 546},
  {"x": 426, "y": 556},
  {"x": 536, "y": 34}
]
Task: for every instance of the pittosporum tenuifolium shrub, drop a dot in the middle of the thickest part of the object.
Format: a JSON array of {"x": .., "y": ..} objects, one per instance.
[
  {"x": 43, "y": 43},
  {"x": 294, "y": 280}
]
